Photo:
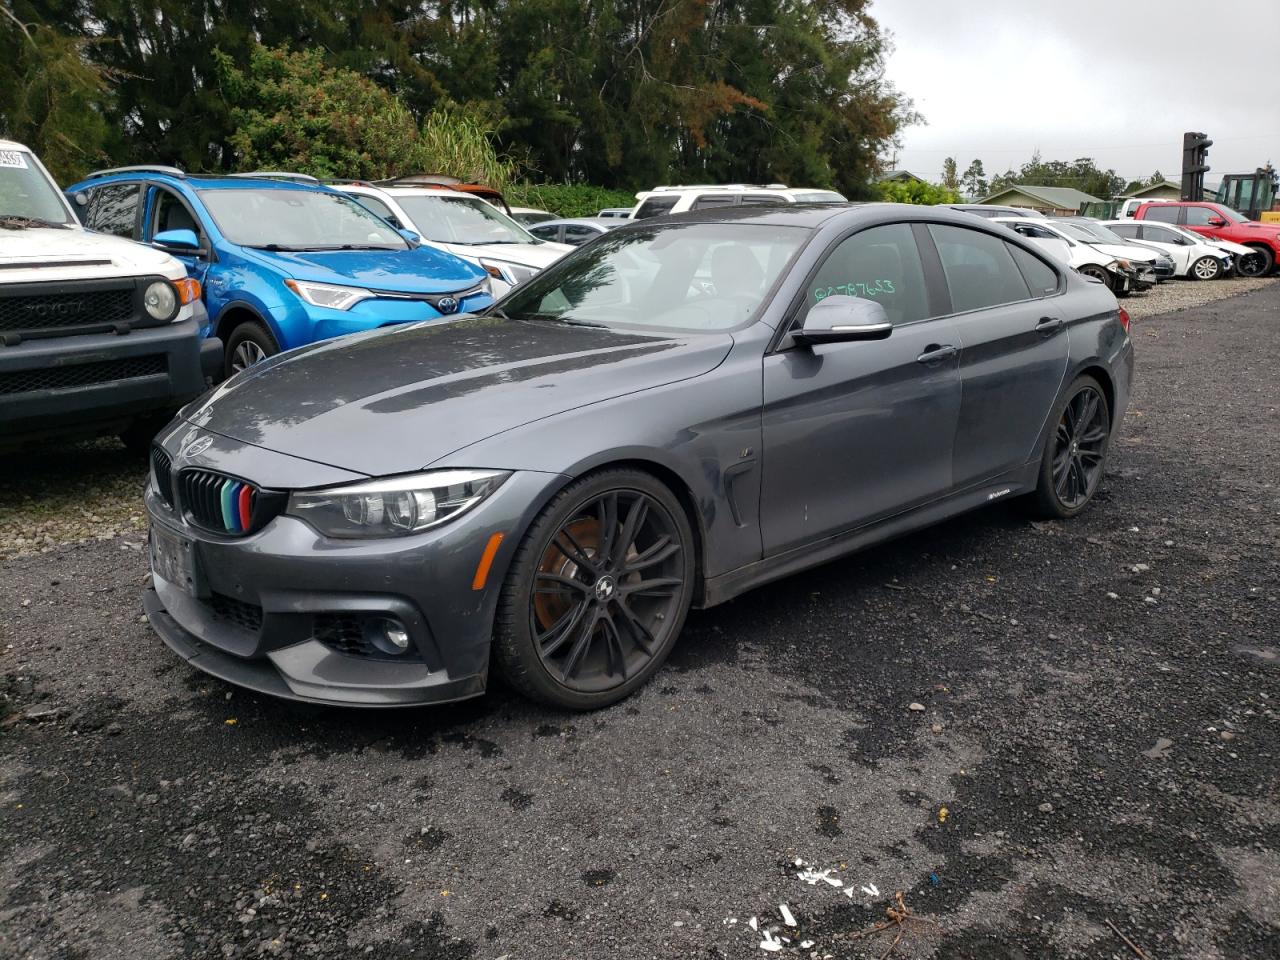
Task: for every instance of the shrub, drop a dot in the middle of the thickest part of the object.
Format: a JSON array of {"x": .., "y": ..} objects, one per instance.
[
  {"x": 568, "y": 199},
  {"x": 915, "y": 191}
]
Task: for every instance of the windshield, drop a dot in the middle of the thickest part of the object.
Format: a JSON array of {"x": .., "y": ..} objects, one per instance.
[
  {"x": 461, "y": 219},
  {"x": 683, "y": 276},
  {"x": 25, "y": 190},
  {"x": 1101, "y": 233},
  {"x": 287, "y": 219},
  {"x": 819, "y": 196},
  {"x": 1076, "y": 232}
]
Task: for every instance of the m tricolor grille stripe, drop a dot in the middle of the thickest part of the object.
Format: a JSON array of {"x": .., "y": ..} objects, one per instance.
[{"x": 218, "y": 502}]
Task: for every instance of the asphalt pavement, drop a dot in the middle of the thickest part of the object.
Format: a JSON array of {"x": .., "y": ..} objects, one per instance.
[{"x": 1053, "y": 739}]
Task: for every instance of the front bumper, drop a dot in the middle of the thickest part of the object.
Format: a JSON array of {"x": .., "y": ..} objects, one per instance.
[
  {"x": 90, "y": 383},
  {"x": 259, "y": 609}
]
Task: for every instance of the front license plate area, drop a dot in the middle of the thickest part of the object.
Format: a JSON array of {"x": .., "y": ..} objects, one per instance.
[{"x": 172, "y": 560}]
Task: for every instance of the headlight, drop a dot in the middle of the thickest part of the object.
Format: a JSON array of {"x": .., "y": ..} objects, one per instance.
[
  {"x": 396, "y": 506},
  {"x": 160, "y": 300},
  {"x": 512, "y": 273},
  {"x": 327, "y": 294}
]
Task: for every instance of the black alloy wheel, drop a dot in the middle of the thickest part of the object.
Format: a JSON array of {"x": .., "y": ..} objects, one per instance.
[
  {"x": 1256, "y": 264},
  {"x": 597, "y": 593},
  {"x": 1076, "y": 452},
  {"x": 1207, "y": 268}
]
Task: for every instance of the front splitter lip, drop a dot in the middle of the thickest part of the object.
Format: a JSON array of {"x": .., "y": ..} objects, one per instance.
[{"x": 261, "y": 675}]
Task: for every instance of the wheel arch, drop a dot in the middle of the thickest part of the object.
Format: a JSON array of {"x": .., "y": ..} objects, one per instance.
[
  {"x": 237, "y": 312},
  {"x": 1100, "y": 373}
]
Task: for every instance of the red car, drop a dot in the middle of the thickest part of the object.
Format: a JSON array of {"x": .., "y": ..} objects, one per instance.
[{"x": 1216, "y": 220}]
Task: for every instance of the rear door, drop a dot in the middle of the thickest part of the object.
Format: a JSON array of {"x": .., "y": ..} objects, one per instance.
[
  {"x": 854, "y": 432},
  {"x": 1013, "y": 356}
]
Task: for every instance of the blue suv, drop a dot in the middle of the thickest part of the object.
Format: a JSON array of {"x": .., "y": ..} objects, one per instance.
[{"x": 282, "y": 262}]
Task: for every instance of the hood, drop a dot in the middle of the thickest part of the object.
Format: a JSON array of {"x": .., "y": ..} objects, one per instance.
[
  {"x": 420, "y": 270},
  {"x": 1126, "y": 252},
  {"x": 536, "y": 255},
  {"x": 1238, "y": 249},
  {"x": 396, "y": 399},
  {"x": 49, "y": 253}
]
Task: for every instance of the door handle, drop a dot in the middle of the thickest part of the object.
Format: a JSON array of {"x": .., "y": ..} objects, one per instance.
[
  {"x": 936, "y": 354},
  {"x": 1048, "y": 324}
]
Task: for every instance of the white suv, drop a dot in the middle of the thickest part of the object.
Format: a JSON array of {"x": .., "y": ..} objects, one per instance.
[
  {"x": 97, "y": 334},
  {"x": 461, "y": 224},
  {"x": 664, "y": 200}
]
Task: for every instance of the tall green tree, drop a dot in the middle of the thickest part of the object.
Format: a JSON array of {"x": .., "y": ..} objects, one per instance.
[
  {"x": 1082, "y": 174},
  {"x": 974, "y": 180},
  {"x": 52, "y": 96},
  {"x": 950, "y": 178}
]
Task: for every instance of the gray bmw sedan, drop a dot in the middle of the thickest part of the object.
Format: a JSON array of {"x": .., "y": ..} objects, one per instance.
[{"x": 680, "y": 411}]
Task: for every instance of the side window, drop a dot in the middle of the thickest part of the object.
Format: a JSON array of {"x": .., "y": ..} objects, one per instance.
[
  {"x": 881, "y": 264},
  {"x": 170, "y": 213},
  {"x": 377, "y": 208},
  {"x": 113, "y": 208},
  {"x": 979, "y": 268},
  {"x": 1162, "y": 212},
  {"x": 1162, "y": 235},
  {"x": 709, "y": 200},
  {"x": 1129, "y": 230},
  {"x": 655, "y": 207},
  {"x": 1200, "y": 216},
  {"x": 543, "y": 232},
  {"x": 1040, "y": 277},
  {"x": 577, "y": 234}
]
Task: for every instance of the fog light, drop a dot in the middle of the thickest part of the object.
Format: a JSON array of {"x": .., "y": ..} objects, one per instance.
[{"x": 394, "y": 635}]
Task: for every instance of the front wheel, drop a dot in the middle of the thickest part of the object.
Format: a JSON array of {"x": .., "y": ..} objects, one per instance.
[
  {"x": 1099, "y": 273},
  {"x": 597, "y": 592},
  {"x": 248, "y": 344},
  {"x": 1207, "y": 268},
  {"x": 1258, "y": 263},
  {"x": 1076, "y": 452}
]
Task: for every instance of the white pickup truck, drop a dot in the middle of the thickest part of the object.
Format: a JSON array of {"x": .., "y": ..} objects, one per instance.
[{"x": 98, "y": 334}]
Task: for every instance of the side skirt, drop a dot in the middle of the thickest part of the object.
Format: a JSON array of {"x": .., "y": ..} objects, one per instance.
[{"x": 725, "y": 587}]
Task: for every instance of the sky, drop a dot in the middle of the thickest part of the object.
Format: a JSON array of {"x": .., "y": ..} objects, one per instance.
[{"x": 1116, "y": 80}]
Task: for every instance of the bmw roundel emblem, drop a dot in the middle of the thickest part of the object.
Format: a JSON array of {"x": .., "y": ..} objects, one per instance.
[
  {"x": 447, "y": 305},
  {"x": 196, "y": 447}
]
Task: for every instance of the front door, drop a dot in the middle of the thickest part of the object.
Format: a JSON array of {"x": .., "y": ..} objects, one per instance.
[
  {"x": 167, "y": 211},
  {"x": 854, "y": 432}
]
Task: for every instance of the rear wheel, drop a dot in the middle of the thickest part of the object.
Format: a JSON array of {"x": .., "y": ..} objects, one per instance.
[
  {"x": 1075, "y": 455},
  {"x": 1207, "y": 268},
  {"x": 1258, "y": 263},
  {"x": 597, "y": 592},
  {"x": 249, "y": 343}
]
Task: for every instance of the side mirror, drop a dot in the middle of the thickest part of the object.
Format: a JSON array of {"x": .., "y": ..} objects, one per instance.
[
  {"x": 409, "y": 235},
  {"x": 184, "y": 242},
  {"x": 1217, "y": 222},
  {"x": 841, "y": 319}
]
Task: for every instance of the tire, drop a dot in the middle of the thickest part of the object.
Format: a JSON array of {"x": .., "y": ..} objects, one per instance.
[
  {"x": 1257, "y": 264},
  {"x": 249, "y": 343},
  {"x": 138, "y": 435},
  {"x": 580, "y": 633},
  {"x": 1206, "y": 268},
  {"x": 1062, "y": 492},
  {"x": 1093, "y": 270}
]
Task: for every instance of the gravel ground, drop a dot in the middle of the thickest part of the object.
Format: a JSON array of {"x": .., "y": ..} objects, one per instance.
[
  {"x": 1047, "y": 736},
  {"x": 1184, "y": 294}
]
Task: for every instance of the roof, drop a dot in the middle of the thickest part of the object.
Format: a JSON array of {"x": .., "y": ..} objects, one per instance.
[
  {"x": 900, "y": 175},
  {"x": 1061, "y": 198},
  {"x": 1162, "y": 185},
  {"x": 13, "y": 145},
  {"x": 812, "y": 215},
  {"x": 197, "y": 181}
]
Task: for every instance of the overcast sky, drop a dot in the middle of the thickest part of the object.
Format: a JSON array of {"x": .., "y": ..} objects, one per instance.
[{"x": 1116, "y": 81}]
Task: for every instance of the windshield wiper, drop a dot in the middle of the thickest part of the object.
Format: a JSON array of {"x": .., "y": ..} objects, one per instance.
[
  {"x": 20, "y": 221},
  {"x": 365, "y": 246},
  {"x": 281, "y": 247}
]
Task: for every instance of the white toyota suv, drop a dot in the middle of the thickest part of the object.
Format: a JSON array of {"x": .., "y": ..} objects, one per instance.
[
  {"x": 98, "y": 334},
  {"x": 462, "y": 224},
  {"x": 663, "y": 200}
]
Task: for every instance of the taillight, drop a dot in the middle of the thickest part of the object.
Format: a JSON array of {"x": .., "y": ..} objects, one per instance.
[
  {"x": 188, "y": 290},
  {"x": 1124, "y": 319}
]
